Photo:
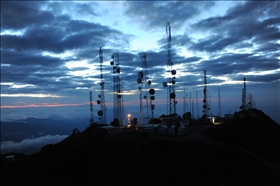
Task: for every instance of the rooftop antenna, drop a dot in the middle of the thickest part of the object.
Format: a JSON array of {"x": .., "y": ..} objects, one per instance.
[
  {"x": 243, "y": 105},
  {"x": 102, "y": 112},
  {"x": 146, "y": 94},
  {"x": 117, "y": 94},
  {"x": 171, "y": 96},
  {"x": 91, "y": 107},
  {"x": 205, "y": 100}
]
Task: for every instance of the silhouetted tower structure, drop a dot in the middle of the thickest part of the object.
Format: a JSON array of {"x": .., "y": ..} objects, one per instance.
[
  {"x": 243, "y": 105},
  {"x": 205, "y": 100},
  {"x": 197, "y": 113},
  {"x": 192, "y": 109},
  {"x": 146, "y": 94},
  {"x": 184, "y": 101},
  {"x": 219, "y": 104},
  {"x": 117, "y": 94},
  {"x": 102, "y": 112},
  {"x": 91, "y": 107},
  {"x": 171, "y": 96}
]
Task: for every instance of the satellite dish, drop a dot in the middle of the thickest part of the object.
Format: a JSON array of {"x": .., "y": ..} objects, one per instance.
[
  {"x": 152, "y": 97},
  {"x": 152, "y": 91},
  {"x": 164, "y": 84},
  {"x": 99, "y": 96},
  {"x": 149, "y": 82},
  {"x": 112, "y": 62},
  {"x": 118, "y": 70},
  {"x": 153, "y": 106},
  {"x": 119, "y": 96},
  {"x": 139, "y": 80},
  {"x": 204, "y": 101},
  {"x": 140, "y": 74},
  {"x": 98, "y": 102},
  {"x": 204, "y": 106},
  {"x": 173, "y": 72},
  {"x": 100, "y": 113},
  {"x": 172, "y": 95}
]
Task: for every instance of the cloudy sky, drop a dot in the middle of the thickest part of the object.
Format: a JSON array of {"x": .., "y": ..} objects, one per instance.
[{"x": 49, "y": 54}]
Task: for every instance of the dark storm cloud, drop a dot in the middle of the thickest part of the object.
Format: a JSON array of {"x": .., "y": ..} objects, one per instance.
[
  {"x": 213, "y": 43},
  {"x": 19, "y": 15},
  {"x": 28, "y": 58},
  {"x": 234, "y": 63},
  {"x": 256, "y": 21},
  {"x": 155, "y": 14},
  {"x": 43, "y": 30},
  {"x": 57, "y": 39}
]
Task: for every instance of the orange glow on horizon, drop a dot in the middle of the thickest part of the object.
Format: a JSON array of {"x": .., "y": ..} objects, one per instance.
[{"x": 42, "y": 105}]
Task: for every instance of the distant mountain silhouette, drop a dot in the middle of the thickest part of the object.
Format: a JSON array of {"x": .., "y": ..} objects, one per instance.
[
  {"x": 243, "y": 151},
  {"x": 36, "y": 127}
]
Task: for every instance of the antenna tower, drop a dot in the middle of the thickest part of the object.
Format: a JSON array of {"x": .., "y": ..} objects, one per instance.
[
  {"x": 243, "y": 106},
  {"x": 205, "y": 100},
  {"x": 219, "y": 104},
  {"x": 146, "y": 94},
  {"x": 117, "y": 97},
  {"x": 102, "y": 112},
  {"x": 184, "y": 101},
  {"x": 171, "y": 102},
  {"x": 91, "y": 107},
  {"x": 197, "y": 115}
]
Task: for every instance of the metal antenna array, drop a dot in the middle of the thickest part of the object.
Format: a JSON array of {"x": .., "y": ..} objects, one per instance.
[
  {"x": 146, "y": 94},
  {"x": 91, "y": 107},
  {"x": 219, "y": 104},
  {"x": 117, "y": 97},
  {"x": 171, "y": 102},
  {"x": 243, "y": 106},
  {"x": 102, "y": 112},
  {"x": 205, "y": 100}
]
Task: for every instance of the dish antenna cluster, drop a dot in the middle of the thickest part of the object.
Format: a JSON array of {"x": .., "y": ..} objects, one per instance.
[
  {"x": 146, "y": 93},
  {"x": 102, "y": 112},
  {"x": 171, "y": 96},
  {"x": 117, "y": 95}
]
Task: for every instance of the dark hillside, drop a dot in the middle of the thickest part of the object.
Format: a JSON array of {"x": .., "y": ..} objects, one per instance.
[{"x": 133, "y": 159}]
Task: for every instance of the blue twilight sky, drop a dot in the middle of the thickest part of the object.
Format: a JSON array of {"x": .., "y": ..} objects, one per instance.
[{"x": 50, "y": 62}]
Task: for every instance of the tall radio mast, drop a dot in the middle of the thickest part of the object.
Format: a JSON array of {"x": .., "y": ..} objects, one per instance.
[
  {"x": 146, "y": 94},
  {"x": 117, "y": 95},
  {"x": 102, "y": 112},
  {"x": 171, "y": 96}
]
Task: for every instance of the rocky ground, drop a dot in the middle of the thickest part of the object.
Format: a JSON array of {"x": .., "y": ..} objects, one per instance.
[{"x": 240, "y": 152}]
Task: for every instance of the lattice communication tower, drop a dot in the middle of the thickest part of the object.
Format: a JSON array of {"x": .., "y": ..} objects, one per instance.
[
  {"x": 117, "y": 94},
  {"x": 243, "y": 105},
  {"x": 205, "y": 99},
  {"x": 102, "y": 112},
  {"x": 146, "y": 94},
  {"x": 171, "y": 96},
  {"x": 91, "y": 107}
]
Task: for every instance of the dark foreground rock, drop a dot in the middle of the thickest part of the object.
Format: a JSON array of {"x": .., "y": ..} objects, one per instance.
[{"x": 212, "y": 155}]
